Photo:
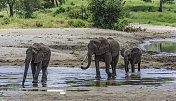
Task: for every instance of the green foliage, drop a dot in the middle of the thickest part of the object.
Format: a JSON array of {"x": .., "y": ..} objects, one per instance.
[
  {"x": 39, "y": 24},
  {"x": 143, "y": 8},
  {"x": 78, "y": 23},
  {"x": 27, "y": 7},
  {"x": 74, "y": 13},
  {"x": 147, "y": 0},
  {"x": 59, "y": 10},
  {"x": 6, "y": 20},
  {"x": 106, "y": 13},
  {"x": 168, "y": 1},
  {"x": 120, "y": 25}
]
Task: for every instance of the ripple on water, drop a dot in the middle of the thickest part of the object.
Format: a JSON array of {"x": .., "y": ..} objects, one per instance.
[{"x": 75, "y": 77}]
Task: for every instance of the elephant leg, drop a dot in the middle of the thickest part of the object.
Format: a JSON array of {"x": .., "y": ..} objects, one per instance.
[
  {"x": 97, "y": 67},
  {"x": 44, "y": 71},
  {"x": 39, "y": 66},
  {"x": 33, "y": 68},
  {"x": 139, "y": 66},
  {"x": 132, "y": 66},
  {"x": 107, "y": 69},
  {"x": 44, "y": 75},
  {"x": 126, "y": 66},
  {"x": 114, "y": 64}
]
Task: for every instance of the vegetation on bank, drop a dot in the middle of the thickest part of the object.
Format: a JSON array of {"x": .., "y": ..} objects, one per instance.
[{"x": 77, "y": 14}]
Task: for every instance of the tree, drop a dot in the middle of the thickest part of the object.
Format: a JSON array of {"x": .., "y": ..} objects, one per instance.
[
  {"x": 51, "y": 3},
  {"x": 10, "y": 3},
  {"x": 107, "y": 13},
  {"x": 160, "y": 8},
  {"x": 29, "y": 6}
]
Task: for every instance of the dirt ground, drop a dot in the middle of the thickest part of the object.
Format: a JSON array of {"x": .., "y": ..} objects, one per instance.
[{"x": 69, "y": 48}]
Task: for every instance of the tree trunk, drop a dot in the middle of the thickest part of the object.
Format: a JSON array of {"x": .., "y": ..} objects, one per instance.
[
  {"x": 52, "y": 2},
  {"x": 160, "y": 8},
  {"x": 11, "y": 10},
  {"x": 56, "y": 3}
]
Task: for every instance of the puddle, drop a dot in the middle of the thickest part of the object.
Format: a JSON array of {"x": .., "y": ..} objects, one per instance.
[
  {"x": 164, "y": 47},
  {"x": 11, "y": 78}
]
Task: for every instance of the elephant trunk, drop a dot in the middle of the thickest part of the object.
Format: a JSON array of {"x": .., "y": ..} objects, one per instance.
[
  {"x": 89, "y": 61},
  {"x": 27, "y": 61}
]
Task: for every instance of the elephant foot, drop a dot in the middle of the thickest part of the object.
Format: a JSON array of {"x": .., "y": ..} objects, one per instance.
[
  {"x": 113, "y": 75},
  {"x": 109, "y": 75},
  {"x": 35, "y": 81},
  {"x": 98, "y": 77},
  {"x": 43, "y": 81}
]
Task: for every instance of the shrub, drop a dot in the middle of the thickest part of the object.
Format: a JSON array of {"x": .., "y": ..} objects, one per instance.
[
  {"x": 6, "y": 20},
  {"x": 58, "y": 11},
  {"x": 76, "y": 23},
  {"x": 143, "y": 8},
  {"x": 106, "y": 13},
  {"x": 120, "y": 25},
  {"x": 38, "y": 24},
  {"x": 147, "y": 0},
  {"x": 74, "y": 13}
]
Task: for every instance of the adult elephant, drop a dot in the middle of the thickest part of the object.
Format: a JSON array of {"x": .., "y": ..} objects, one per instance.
[
  {"x": 39, "y": 56},
  {"x": 132, "y": 55},
  {"x": 106, "y": 50}
]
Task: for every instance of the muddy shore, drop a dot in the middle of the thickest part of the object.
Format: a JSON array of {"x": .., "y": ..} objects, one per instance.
[{"x": 69, "y": 47}]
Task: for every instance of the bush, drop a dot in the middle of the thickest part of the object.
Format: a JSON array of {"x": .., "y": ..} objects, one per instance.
[
  {"x": 39, "y": 24},
  {"x": 77, "y": 23},
  {"x": 58, "y": 11},
  {"x": 75, "y": 13},
  {"x": 106, "y": 13},
  {"x": 143, "y": 8},
  {"x": 120, "y": 25},
  {"x": 147, "y": 0},
  {"x": 6, "y": 20}
]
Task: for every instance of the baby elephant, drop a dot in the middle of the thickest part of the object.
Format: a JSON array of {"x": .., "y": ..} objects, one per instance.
[{"x": 132, "y": 55}]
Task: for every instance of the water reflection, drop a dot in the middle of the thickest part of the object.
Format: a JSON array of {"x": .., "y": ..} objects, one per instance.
[
  {"x": 11, "y": 78},
  {"x": 169, "y": 47},
  {"x": 133, "y": 79}
]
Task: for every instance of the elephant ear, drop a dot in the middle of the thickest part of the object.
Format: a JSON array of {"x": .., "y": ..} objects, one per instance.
[
  {"x": 103, "y": 46},
  {"x": 123, "y": 52}
]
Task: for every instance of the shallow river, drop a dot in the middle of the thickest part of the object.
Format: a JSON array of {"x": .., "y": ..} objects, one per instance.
[{"x": 11, "y": 78}]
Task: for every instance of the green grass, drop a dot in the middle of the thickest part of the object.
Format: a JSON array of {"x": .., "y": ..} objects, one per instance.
[
  {"x": 147, "y": 13},
  {"x": 139, "y": 12}
]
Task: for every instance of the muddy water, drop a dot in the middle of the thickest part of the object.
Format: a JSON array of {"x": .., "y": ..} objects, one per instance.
[
  {"x": 169, "y": 47},
  {"x": 11, "y": 77},
  {"x": 160, "y": 47}
]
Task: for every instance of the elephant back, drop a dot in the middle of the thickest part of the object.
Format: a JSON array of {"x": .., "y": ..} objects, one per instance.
[
  {"x": 114, "y": 47},
  {"x": 43, "y": 53},
  {"x": 136, "y": 54}
]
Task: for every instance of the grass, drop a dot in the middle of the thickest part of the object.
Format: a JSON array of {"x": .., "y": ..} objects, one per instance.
[
  {"x": 147, "y": 13},
  {"x": 139, "y": 12}
]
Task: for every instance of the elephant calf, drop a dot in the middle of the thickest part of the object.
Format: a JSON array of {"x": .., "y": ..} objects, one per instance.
[
  {"x": 132, "y": 55},
  {"x": 39, "y": 56},
  {"x": 106, "y": 50}
]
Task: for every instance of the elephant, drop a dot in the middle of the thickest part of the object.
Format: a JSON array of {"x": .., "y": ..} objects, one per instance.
[
  {"x": 132, "y": 55},
  {"x": 38, "y": 55},
  {"x": 106, "y": 50}
]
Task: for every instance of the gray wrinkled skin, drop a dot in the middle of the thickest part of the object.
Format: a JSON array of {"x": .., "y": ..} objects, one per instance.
[
  {"x": 106, "y": 50},
  {"x": 39, "y": 56},
  {"x": 132, "y": 56}
]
